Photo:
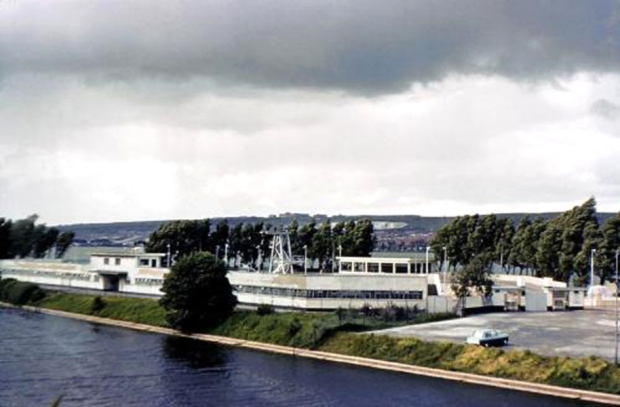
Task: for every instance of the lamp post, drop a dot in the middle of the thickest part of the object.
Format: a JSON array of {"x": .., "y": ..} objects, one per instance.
[
  {"x": 226, "y": 254},
  {"x": 592, "y": 252},
  {"x": 305, "y": 259},
  {"x": 445, "y": 268},
  {"x": 426, "y": 264},
  {"x": 168, "y": 245},
  {"x": 617, "y": 250}
]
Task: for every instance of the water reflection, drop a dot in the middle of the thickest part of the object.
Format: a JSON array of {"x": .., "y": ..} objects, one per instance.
[{"x": 193, "y": 353}]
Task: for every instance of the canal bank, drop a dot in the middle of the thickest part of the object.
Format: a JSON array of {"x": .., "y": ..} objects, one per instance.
[{"x": 555, "y": 391}]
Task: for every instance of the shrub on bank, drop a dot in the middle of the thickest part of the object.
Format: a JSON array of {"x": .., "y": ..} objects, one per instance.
[
  {"x": 587, "y": 373},
  {"x": 19, "y": 292},
  {"x": 140, "y": 310}
]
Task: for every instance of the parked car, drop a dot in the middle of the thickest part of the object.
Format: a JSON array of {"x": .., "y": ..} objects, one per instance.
[{"x": 488, "y": 337}]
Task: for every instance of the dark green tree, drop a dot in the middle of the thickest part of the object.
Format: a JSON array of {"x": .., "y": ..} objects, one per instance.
[
  {"x": 22, "y": 236},
  {"x": 610, "y": 244},
  {"x": 363, "y": 238},
  {"x": 219, "y": 238},
  {"x": 474, "y": 278},
  {"x": 235, "y": 243},
  {"x": 183, "y": 236},
  {"x": 63, "y": 242},
  {"x": 323, "y": 245},
  {"x": 6, "y": 225},
  {"x": 503, "y": 240},
  {"x": 197, "y": 293}
]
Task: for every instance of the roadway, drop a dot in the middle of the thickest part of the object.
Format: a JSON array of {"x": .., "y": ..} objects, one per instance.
[{"x": 572, "y": 333}]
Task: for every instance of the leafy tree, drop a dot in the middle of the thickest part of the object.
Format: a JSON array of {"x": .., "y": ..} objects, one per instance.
[
  {"x": 293, "y": 232},
  {"x": 63, "y": 242},
  {"x": 197, "y": 294},
  {"x": 548, "y": 251},
  {"x": 43, "y": 239},
  {"x": 610, "y": 244},
  {"x": 183, "y": 236},
  {"x": 363, "y": 239},
  {"x": 235, "y": 243},
  {"x": 322, "y": 245},
  {"x": 503, "y": 240},
  {"x": 473, "y": 278},
  {"x": 5, "y": 238},
  {"x": 306, "y": 237},
  {"x": 219, "y": 238},
  {"x": 22, "y": 236}
]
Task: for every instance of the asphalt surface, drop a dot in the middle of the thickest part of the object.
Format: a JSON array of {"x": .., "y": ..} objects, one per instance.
[{"x": 571, "y": 333}]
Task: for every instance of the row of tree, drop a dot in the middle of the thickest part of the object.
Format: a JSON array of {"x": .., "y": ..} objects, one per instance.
[
  {"x": 251, "y": 242},
  {"x": 26, "y": 238},
  {"x": 560, "y": 248}
]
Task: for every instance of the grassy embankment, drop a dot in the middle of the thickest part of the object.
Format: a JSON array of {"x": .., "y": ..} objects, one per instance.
[{"x": 327, "y": 332}]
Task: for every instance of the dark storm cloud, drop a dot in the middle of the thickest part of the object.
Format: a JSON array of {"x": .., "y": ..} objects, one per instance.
[{"x": 357, "y": 46}]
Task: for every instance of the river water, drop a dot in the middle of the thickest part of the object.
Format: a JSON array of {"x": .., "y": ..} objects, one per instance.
[{"x": 42, "y": 357}]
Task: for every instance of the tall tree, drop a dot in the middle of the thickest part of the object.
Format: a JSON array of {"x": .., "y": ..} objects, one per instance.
[
  {"x": 6, "y": 250},
  {"x": 363, "y": 238},
  {"x": 235, "y": 243},
  {"x": 197, "y": 294},
  {"x": 63, "y": 242},
  {"x": 183, "y": 236},
  {"x": 610, "y": 244},
  {"x": 322, "y": 245},
  {"x": 219, "y": 238}
]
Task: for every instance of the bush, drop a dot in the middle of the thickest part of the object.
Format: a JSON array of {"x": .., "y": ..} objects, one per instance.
[
  {"x": 97, "y": 305},
  {"x": 265, "y": 309},
  {"x": 19, "y": 292}
]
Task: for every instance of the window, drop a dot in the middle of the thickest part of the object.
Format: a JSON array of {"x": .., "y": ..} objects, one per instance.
[
  {"x": 373, "y": 267},
  {"x": 106, "y": 261},
  {"x": 387, "y": 268},
  {"x": 117, "y": 261},
  {"x": 401, "y": 268},
  {"x": 144, "y": 262},
  {"x": 153, "y": 263}
]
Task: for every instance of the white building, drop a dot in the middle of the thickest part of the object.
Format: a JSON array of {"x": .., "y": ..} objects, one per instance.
[{"x": 140, "y": 273}]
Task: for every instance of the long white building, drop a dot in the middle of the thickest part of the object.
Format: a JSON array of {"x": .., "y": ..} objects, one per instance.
[{"x": 357, "y": 282}]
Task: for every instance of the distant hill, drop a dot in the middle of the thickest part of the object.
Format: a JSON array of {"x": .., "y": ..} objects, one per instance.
[{"x": 387, "y": 227}]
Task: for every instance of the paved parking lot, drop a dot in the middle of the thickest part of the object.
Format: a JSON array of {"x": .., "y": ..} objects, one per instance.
[{"x": 571, "y": 333}]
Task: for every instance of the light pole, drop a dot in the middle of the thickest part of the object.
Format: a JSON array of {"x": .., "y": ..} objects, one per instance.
[
  {"x": 426, "y": 264},
  {"x": 305, "y": 259},
  {"x": 226, "y": 254},
  {"x": 617, "y": 250},
  {"x": 592, "y": 252},
  {"x": 168, "y": 255},
  {"x": 445, "y": 268}
]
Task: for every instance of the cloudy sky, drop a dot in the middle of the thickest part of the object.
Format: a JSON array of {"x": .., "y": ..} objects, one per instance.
[{"x": 136, "y": 110}]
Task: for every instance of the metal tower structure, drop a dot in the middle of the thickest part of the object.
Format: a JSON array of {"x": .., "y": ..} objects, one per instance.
[{"x": 281, "y": 261}]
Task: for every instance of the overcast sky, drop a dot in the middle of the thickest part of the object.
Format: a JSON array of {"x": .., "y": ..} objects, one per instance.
[{"x": 137, "y": 110}]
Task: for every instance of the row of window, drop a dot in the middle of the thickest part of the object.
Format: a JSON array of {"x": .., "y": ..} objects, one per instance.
[
  {"x": 148, "y": 281},
  {"x": 389, "y": 268},
  {"x": 59, "y": 274},
  {"x": 117, "y": 261},
  {"x": 361, "y": 294}
]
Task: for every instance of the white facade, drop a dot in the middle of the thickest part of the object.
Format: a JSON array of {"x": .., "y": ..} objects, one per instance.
[
  {"x": 329, "y": 291},
  {"x": 384, "y": 265},
  {"x": 139, "y": 273}
]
